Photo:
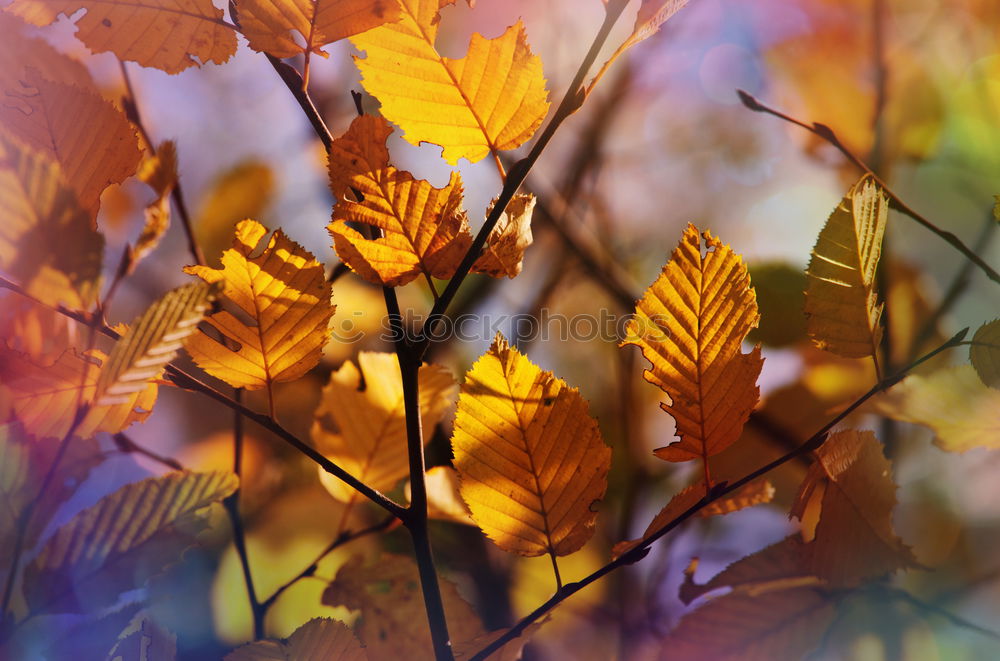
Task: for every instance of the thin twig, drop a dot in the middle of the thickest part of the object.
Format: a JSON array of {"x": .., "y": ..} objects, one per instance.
[
  {"x": 132, "y": 111},
  {"x": 934, "y": 609},
  {"x": 127, "y": 446},
  {"x": 720, "y": 490},
  {"x": 826, "y": 133}
]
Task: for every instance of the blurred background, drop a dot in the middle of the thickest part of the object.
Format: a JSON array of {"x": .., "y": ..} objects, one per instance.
[{"x": 912, "y": 87}]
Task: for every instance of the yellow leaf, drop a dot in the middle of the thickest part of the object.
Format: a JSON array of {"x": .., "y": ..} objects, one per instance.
[
  {"x": 70, "y": 124},
  {"x": 165, "y": 34},
  {"x": 45, "y": 396},
  {"x": 690, "y": 324},
  {"x": 159, "y": 172},
  {"x": 424, "y": 229},
  {"x": 283, "y": 293},
  {"x": 360, "y": 423},
  {"x": 953, "y": 402},
  {"x": 393, "y": 622},
  {"x": 492, "y": 99},
  {"x": 984, "y": 353},
  {"x": 444, "y": 498},
  {"x": 269, "y": 25},
  {"x": 854, "y": 539},
  {"x": 118, "y": 543},
  {"x": 151, "y": 342},
  {"x": 842, "y": 311},
  {"x": 530, "y": 457},
  {"x": 47, "y": 242},
  {"x": 506, "y": 244},
  {"x": 319, "y": 638}
]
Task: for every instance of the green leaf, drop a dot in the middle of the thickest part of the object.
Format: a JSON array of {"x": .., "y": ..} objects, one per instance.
[
  {"x": 984, "y": 353},
  {"x": 121, "y": 541},
  {"x": 152, "y": 341}
]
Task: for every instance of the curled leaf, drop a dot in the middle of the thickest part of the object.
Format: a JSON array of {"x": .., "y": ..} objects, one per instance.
[{"x": 506, "y": 244}]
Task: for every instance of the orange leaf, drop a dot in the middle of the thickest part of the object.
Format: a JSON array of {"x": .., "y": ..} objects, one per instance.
[
  {"x": 319, "y": 638},
  {"x": 269, "y": 25},
  {"x": 752, "y": 493},
  {"x": 680, "y": 503},
  {"x": 511, "y": 236},
  {"x": 424, "y": 229},
  {"x": 286, "y": 298},
  {"x": 854, "y": 539},
  {"x": 690, "y": 324},
  {"x": 166, "y": 34},
  {"x": 492, "y": 99}
]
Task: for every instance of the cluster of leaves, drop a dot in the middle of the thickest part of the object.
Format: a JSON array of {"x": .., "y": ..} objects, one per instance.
[{"x": 528, "y": 465}]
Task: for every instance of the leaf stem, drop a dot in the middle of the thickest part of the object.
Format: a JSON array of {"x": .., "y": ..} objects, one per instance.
[
  {"x": 720, "y": 490},
  {"x": 555, "y": 569},
  {"x": 826, "y": 133}
]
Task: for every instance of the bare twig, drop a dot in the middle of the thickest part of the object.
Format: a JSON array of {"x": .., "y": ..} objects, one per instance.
[
  {"x": 826, "y": 133},
  {"x": 126, "y": 445},
  {"x": 718, "y": 491},
  {"x": 934, "y": 609}
]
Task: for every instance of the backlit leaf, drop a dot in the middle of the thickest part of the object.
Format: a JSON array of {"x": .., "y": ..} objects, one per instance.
[
  {"x": 984, "y": 353},
  {"x": 319, "y": 638},
  {"x": 492, "y": 99},
  {"x": 152, "y": 341},
  {"x": 444, "y": 497},
  {"x": 842, "y": 310},
  {"x": 47, "y": 242},
  {"x": 46, "y": 395},
  {"x": 21, "y": 52},
  {"x": 173, "y": 32},
  {"x": 530, "y": 457},
  {"x": 680, "y": 503},
  {"x": 270, "y": 25},
  {"x": 751, "y": 494},
  {"x": 506, "y": 244},
  {"x": 424, "y": 229},
  {"x": 69, "y": 125},
  {"x": 243, "y": 191},
  {"x": 283, "y": 293},
  {"x": 393, "y": 624},
  {"x": 121, "y": 541},
  {"x": 953, "y": 402},
  {"x": 854, "y": 539},
  {"x": 360, "y": 423},
  {"x": 690, "y": 324}
]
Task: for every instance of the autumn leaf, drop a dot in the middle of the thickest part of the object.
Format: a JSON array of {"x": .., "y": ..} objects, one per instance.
[
  {"x": 842, "y": 311},
  {"x": 690, "y": 324},
  {"x": 360, "y": 424},
  {"x": 750, "y": 494},
  {"x": 20, "y": 52},
  {"x": 953, "y": 402},
  {"x": 680, "y": 503},
  {"x": 243, "y": 191},
  {"x": 510, "y": 651},
  {"x": 854, "y": 539},
  {"x": 511, "y": 236},
  {"x": 270, "y": 25},
  {"x": 47, "y": 242},
  {"x": 393, "y": 624},
  {"x": 69, "y": 125},
  {"x": 151, "y": 342},
  {"x": 159, "y": 172},
  {"x": 176, "y": 34},
  {"x": 444, "y": 497},
  {"x": 319, "y": 638},
  {"x": 530, "y": 457},
  {"x": 284, "y": 294},
  {"x": 46, "y": 395},
  {"x": 781, "y": 624},
  {"x": 491, "y": 100},
  {"x": 118, "y": 543},
  {"x": 984, "y": 353},
  {"x": 424, "y": 229}
]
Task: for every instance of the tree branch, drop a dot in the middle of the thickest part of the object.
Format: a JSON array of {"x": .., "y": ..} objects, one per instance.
[
  {"x": 720, "y": 490},
  {"x": 826, "y": 133}
]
